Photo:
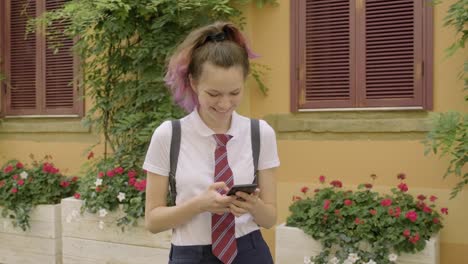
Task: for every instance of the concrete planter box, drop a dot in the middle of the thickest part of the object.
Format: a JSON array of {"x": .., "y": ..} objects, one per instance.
[
  {"x": 42, "y": 243},
  {"x": 85, "y": 242},
  {"x": 292, "y": 244}
]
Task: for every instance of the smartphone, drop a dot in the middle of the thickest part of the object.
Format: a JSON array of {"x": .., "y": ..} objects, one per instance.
[{"x": 247, "y": 188}]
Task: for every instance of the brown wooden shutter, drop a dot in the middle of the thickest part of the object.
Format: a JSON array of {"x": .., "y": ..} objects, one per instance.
[
  {"x": 21, "y": 59},
  {"x": 59, "y": 67},
  {"x": 328, "y": 54},
  {"x": 392, "y": 42}
]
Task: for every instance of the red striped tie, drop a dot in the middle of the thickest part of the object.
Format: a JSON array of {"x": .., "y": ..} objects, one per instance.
[{"x": 224, "y": 244}]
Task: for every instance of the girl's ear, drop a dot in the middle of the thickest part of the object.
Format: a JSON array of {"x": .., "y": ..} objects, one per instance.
[{"x": 193, "y": 84}]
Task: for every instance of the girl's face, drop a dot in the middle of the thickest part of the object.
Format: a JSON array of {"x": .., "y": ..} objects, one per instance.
[{"x": 219, "y": 93}]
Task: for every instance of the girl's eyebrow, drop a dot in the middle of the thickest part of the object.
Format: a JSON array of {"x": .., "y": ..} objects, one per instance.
[{"x": 216, "y": 91}]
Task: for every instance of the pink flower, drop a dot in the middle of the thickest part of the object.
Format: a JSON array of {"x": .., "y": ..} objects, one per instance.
[
  {"x": 432, "y": 198},
  {"x": 132, "y": 174},
  {"x": 357, "y": 221},
  {"x": 74, "y": 179},
  {"x": 401, "y": 176},
  {"x": 14, "y": 190},
  {"x": 119, "y": 170},
  {"x": 110, "y": 173},
  {"x": 444, "y": 211},
  {"x": 348, "y": 202},
  {"x": 322, "y": 178},
  {"x": 397, "y": 212},
  {"x": 412, "y": 216},
  {"x": 406, "y": 233},
  {"x": 386, "y": 202},
  {"x": 132, "y": 181},
  {"x": 421, "y": 197},
  {"x": 427, "y": 209},
  {"x": 414, "y": 239},
  {"x": 100, "y": 174},
  {"x": 19, "y": 165},
  {"x": 304, "y": 189},
  {"x": 98, "y": 189},
  {"x": 336, "y": 184},
  {"x": 15, "y": 177},
  {"x": 435, "y": 220},
  {"x": 373, "y": 211},
  {"x": 326, "y": 204},
  {"x": 337, "y": 212},
  {"x": 140, "y": 185},
  {"x": 403, "y": 187},
  {"x": 77, "y": 195},
  {"x": 21, "y": 182},
  {"x": 64, "y": 184},
  {"x": 8, "y": 169}
]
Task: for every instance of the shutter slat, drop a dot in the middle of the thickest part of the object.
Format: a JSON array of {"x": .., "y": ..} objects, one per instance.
[
  {"x": 59, "y": 67},
  {"x": 22, "y": 57}
]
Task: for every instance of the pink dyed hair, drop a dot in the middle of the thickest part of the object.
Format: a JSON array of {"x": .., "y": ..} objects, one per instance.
[{"x": 177, "y": 76}]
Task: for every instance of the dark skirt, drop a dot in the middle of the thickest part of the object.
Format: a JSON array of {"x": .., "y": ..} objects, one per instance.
[{"x": 251, "y": 249}]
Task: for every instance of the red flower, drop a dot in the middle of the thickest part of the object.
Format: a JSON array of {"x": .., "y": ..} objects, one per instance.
[
  {"x": 433, "y": 198},
  {"x": 403, "y": 187},
  {"x": 77, "y": 195},
  {"x": 421, "y": 197},
  {"x": 326, "y": 204},
  {"x": 357, "y": 221},
  {"x": 386, "y": 202},
  {"x": 401, "y": 176},
  {"x": 132, "y": 182},
  {"x": 304, "y": 189},
  {"x": 8, "y": 169},
  {"x": 140, "y": 185},
  {"x": 19, "y": 165},
  {"x": 132, "y": 174},
  {"x": 15, "y": 177},
  {"x": 368, "y": 185},
  {"x": 14, "y": 190},
  {"x": 119, "y": 170},
  {"x": 64, "y": 184},
  {"x": 412, "y": 216},
  {"x": 90, "y": 155},
  {"x": 414, "y": 239},
  {"x": 373, "y": 211},
  {"x": 406, "y": 233},
  {"x": 348, "y": 202},
  {"x": 98, "y": 189},
  {"x": 337, "y": 212},
  {"x": 435, "y": 220},
  {"x": 74, "y": 179},
  {"x": 100, "y": 174},
  {"x": 427, "y": 209},
  {"x": 316, "y": 190},
  {"x": 110, "y": 173},
  {"x": 336, "y": 184},
  {"x": 397, "y": 212},
  {"x": 322, "y": 178},
  {"x": 444, "y": 210},
  {"x": 21, "y": 182}
]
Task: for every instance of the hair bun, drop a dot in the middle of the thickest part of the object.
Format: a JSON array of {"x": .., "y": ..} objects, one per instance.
[{"x": 216, "y": 37}]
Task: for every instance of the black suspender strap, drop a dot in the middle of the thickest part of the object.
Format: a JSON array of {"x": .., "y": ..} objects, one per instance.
[
  {"x": 255, "y": 136},
  {"x": 174, "y": 157}
]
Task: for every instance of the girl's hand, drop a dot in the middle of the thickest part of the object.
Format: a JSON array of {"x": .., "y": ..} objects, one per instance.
[
  {"x": 214, "y": 202},
  {"x": 245, "y": 203}
]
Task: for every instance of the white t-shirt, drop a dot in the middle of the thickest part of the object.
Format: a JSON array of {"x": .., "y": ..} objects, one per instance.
[{"x": 195, "y": 167}]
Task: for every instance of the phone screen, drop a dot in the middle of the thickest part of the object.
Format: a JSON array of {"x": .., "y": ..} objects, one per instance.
[{"x": 247, "y": 188}]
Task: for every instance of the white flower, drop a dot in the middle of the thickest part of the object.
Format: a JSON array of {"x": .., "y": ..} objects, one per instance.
[
  {"x": 101, "y": 225},
  {"x": 121, "y": 196},
  {"x": 306, "y": 260},
  {"x": 98, "y": 182},
  {"x": 24, "y": 175},
  {"x": 353, "y": 257},
  {"x": 370, "y": 262},
  {"x": 102, "y": 212},
  {"x": 334, "y": 260},
  {"x": 392, "y": 257}
]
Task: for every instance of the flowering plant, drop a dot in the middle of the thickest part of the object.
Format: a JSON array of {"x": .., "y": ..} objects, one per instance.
[
  {"x": 365, "y": 225},
  {"x": 107, "y": 187},
  {"x": 23, "y": 187}
]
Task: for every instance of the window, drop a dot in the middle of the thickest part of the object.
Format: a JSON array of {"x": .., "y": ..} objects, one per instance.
[
  {"x": 361, "y": 54},
  {"x": 38, "y": 80}
]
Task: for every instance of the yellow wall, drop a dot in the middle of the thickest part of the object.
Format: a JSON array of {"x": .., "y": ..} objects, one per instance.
[{"x": 352, "y": 161}]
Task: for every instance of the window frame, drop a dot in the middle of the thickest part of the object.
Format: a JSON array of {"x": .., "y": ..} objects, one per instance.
[
  {"x": 297, "y": 62},
  {"x": 41, "y": 110}
]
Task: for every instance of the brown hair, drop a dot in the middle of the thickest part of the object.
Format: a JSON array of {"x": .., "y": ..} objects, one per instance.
[{"x": 220, "y": 43}]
